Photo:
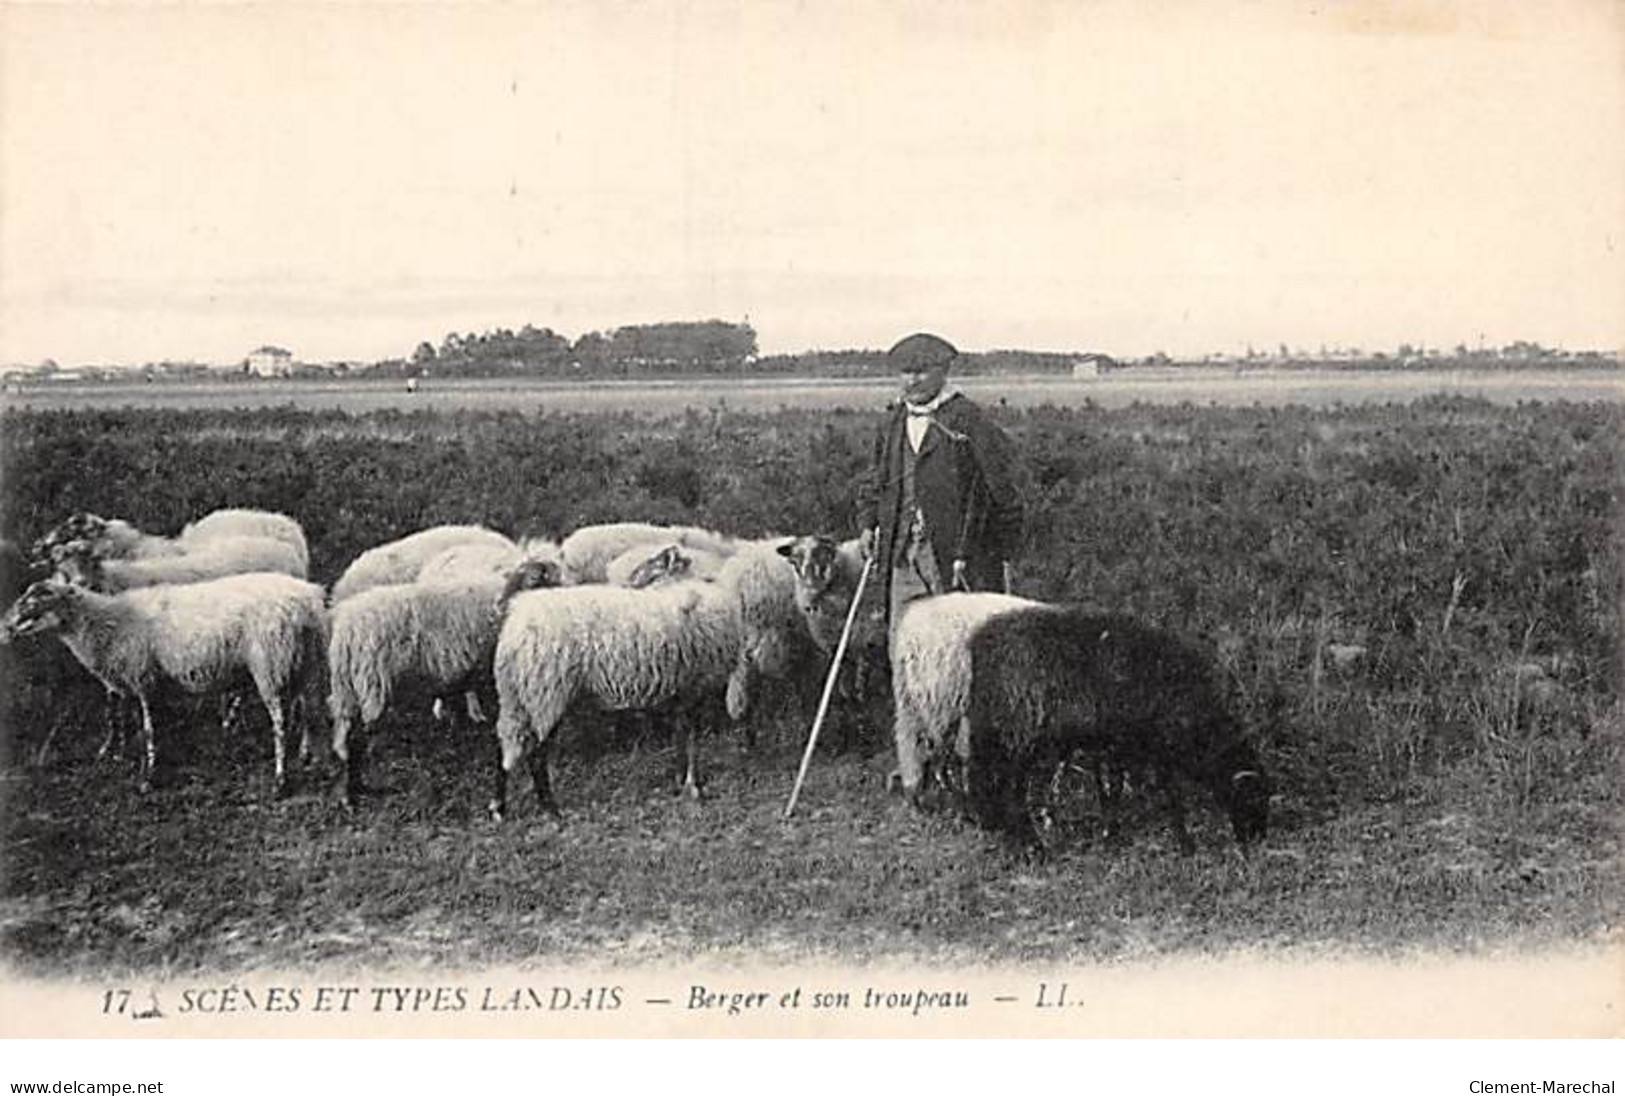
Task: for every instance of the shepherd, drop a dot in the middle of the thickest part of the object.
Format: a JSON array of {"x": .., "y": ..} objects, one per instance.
[{"x": 942, "y": 510}]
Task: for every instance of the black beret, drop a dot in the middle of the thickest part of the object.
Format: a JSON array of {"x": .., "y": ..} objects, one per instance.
[{"x": 920, "y": 352}]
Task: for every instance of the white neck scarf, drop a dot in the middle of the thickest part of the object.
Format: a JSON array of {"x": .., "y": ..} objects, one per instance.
[{"x": 919, "y": 416}]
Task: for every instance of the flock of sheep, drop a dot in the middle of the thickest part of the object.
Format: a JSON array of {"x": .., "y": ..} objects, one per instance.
[{"x": 628, "y": 617}]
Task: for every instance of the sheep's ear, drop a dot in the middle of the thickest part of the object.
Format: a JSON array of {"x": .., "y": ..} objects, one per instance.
[{"x": 787, "y": 549}]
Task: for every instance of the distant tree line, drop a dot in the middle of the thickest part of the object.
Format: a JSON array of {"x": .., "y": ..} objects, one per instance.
[
  {"x": 719, "y": 348},
  {"x": 705, "y": 346},
  {"x": 692, "y": 347}
]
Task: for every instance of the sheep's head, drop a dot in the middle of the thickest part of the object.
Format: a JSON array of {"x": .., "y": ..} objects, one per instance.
[
  {"x": 80, "y": 527},
  {"x": 78, "y": 562},
  {"x": 532, "y": 574},
  {"x": 540, "y": 548},
  {"x": 668, "y": 564},
  {"x": 817, "y": 563},
  {"x": 45, "y": 607}
]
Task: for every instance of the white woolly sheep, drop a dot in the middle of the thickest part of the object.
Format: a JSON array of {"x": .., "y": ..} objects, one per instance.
[
  {"x": 931, "y": 678},
  {"x": 213, "y": 554},
  {"x": 78, "y": 562},
  {"x": 463, "y": 561},
  {"x": 698, "y": 563},
  {"x": 773, "y": 632},
  {"x": 587, "y": 552},
  {"x": 441, "y": 634},
  {"x": 112, "y": 538},
  {"x": 477, "y": 559},
  {"x": 401, "y": 560},
  {"x": 222, "y": 524},
  {"x": 671, "y": 645},
  {"x": 118, "y": 539},
  {"x": 205, "y": 636}
]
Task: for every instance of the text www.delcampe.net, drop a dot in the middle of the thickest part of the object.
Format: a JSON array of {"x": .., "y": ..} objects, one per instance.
[{"x": 89, "y": 1088}]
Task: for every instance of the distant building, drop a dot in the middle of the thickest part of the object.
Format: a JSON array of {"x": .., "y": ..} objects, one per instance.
[
  {"x": 1091, "y": 365},
  {"x": 70, "y": 376},
  {"x": 269, "y": 361}
]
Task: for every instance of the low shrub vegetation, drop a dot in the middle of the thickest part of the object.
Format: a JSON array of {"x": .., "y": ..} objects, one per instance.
[{"x": 1416, "y": 607}]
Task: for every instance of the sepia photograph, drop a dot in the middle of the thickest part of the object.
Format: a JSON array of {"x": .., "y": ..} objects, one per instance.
[{"x": 717, "y": 519}]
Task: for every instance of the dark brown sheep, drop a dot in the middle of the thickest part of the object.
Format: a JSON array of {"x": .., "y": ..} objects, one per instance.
[{"x": 1048, "y": 682}]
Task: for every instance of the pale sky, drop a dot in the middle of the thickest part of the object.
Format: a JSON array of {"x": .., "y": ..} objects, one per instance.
[{"x": 192, "y": 181}]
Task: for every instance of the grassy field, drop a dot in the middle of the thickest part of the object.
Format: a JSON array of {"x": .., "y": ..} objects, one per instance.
[
  {"x": 1220, "y": 386},
  {"x": 1453, "y": 786}
]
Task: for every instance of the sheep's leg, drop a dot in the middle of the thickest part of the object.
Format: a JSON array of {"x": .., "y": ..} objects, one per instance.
[
  {"x": 111, "y": 721},
  {"x": 537, "y": 760},
  {"x": 691, "y": 777},
  {"x": 298, "y": 712},
  {"x": 107, "y": 739},
  {"x": 906, "y": 729},
  {"x": 351, "y": 750},
  {"x": 43, "y": 754},
  {"x": 498, "y": 805},
  {"x": 511, "y": 729},
  {"x": 741, "y": 686},
  {"x": 986, "y": 788},
  {"x": 1110, "y": 784},
  {"x": 149, "y": 755},
  {"x": 1003, "y": 807},
  {"x": 473, "y": 708},
  {"x": 230, "y": 707},
  {"x": 304, "y": 687},
  {"x": 277, "y": 711}
]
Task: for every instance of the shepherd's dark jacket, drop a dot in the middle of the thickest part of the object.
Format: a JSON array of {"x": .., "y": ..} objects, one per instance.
[{"x": 965, "y": 482}]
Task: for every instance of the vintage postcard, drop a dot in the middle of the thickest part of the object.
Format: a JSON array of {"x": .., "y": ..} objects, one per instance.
[{"x": 1033, "y": 519}]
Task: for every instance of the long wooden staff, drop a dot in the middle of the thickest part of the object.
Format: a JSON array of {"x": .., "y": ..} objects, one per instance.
[{"x": 829, "y": 684}]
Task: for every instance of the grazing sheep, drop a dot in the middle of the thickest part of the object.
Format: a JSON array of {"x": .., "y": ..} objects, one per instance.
[
  {"x": 79, "y": 562},
  {"x": 118, "y": 539},
  {"x": 222, "y": 524},
  {"x": 588, "y": 552},
  {"x": 86, "y": 526},
  {"x": 931, "y": 679},
  {"x": 205, "y": 636},
  {"x": 772, "y": 630},
  {"x": 639, "y": 566},
  {"x": 1049, "y": 682},
  {"x": 672, "y": 645},
  {"x": 401, "y": 560},
  {"x": 441, "y": 634},
  {"x": 483, "y": 557}
]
